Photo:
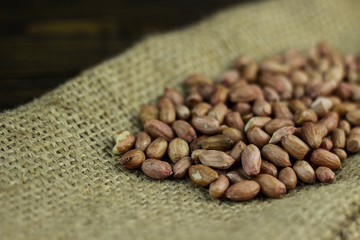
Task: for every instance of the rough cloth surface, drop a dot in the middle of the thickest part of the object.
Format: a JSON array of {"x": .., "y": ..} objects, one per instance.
[{"x": 59, "y": 180}]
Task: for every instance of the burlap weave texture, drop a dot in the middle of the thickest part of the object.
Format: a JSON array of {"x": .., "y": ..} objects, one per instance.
[{"x": 59, "y": 180}]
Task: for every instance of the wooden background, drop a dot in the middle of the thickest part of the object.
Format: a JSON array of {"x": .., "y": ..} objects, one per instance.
[{"x": 44, "y": 43}]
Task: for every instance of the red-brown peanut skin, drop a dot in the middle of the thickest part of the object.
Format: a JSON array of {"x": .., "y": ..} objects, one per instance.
[
  {"x": 243, "y": 191},
  {"x": 156, "y": 168}
]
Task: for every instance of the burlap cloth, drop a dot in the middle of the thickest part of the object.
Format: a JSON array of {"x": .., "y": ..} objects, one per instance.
[{"x": 59, "y": 180}]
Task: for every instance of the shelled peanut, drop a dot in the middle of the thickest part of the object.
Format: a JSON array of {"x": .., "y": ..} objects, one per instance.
[{"x": 258, "y": 128}]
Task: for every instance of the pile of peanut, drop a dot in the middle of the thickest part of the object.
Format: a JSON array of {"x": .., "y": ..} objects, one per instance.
[{"x": 260, "y": 127}]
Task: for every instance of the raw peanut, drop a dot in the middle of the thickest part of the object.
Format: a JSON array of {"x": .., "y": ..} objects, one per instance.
[
  {"x": 344, "y": 91},
  {"x": 278, "y": 134},
  {"x": 295, "y": 146},
  {"x": 182, "y": 112},
  {"x": 258, "y": 91},
  {"x": 233, "y": 134},
  {"x": 277, "y": 123},
  {"x": 217, "y": 142},
  {"x": 256, "y": 122},
  {"x": 184, "y": 130},
  {"x": 288, "y": 88},
  {"x": 220, "y": 95},
  {"x": 270, "y": 94},
  {"x": 193, "y": 99},
  {"x": 195, "y": 143},
  {"x": 124, "y": 140},
  {"x": 251, "y": 160},
  {"x": 206, "y": 124},
  {"x": 236, "y": 151},
  {"x": 178, "y": 149},
  {"x": 274, "y": 81},
  {"x": 334, "y": 100},
  {"x": 218, "y": 187},
  {"x": 311, "y": 135},
  {"x": 280, "y": 110},
  {"x": 276, "y": 155},
  {"x": 307, "y": 101},
  {"x": 341, "y": 153},
  {"x": 288, "y": 177},
  {"x": 201, "y": 109},
  {"x": 325, "y": 158},
  {"x": 167, "y": 112},
  {"x": 216, "y": 159},
  {"x": 353, "y": 140},
  {"x": 246, "y": 118},
  {"x": 338, "y": 138},
  {"x": 299, "y": 92},
  {"x": 257, "y": 137},
  {"x": 323, "y": 89},
  {"x": 330, "y": 120},
  {"x": 242, "y": 191},
  {"x": 235, "y": 177},
  {"x": 296, "y": 105},
  {"x": 250, "y": 71},
  {"x": 325, "y": 175},
  {"x": 299, "y": 77},
  {"x": 218, "y": 112},
  {"x": 242, "y": 61},
  {"x": 270, "y": 186},
  {"x": 343, "y": 108},
  {"x": 326, "y": 144},
  {"x": 174, "y": 96},
  {"x": 205, "y": 90},
  {"x": 322, "y": 129},
  {"x": 239, "y": 83},
  {"x": 202, "y": 175},
  {"x": 196, "y": 79},
  {"x": 182, "y": 166},
  {"x": 242, "y": 108},
  {"x": 307, "y": 115},
  {"x": 274, "y": 67},
  {"x": 157, "y": 148},
  {"x": 244, "y": 93},
  {"x": 321, "y": 106},
  {"x": 156, "y": 168},
  {"x": 142, "y": 141},
  {"x": 132, "y": 159},
  {"x": 148, "y": 112},
  {"x": 354, "y": 117},
  {"x": 156, "y": 128},
  {"x": 355, "y": 92},
  {"x": 345, "y": 126},
  {"x": 261, "y": 108},
  {"x": 234, "y": 120},
  {"x": 304, "y": 171},
  {"x": 268, "y": 168},
  {"x": 229, "y": 77},
  {"x": 195, "y": 155}
]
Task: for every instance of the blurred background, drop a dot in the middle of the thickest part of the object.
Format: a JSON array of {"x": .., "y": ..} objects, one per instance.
[{"x": 43, "y": 43}]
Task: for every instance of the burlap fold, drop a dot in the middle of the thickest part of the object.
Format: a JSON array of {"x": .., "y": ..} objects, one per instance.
[{"x": 59, "y": 180}]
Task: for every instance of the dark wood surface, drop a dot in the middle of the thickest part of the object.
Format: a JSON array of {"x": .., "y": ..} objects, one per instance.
[{"x": 44, "y": 43}]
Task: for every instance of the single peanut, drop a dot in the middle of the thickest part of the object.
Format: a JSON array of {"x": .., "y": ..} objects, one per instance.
[
  {"x": 156, "y": 168},
  {"x": 132, "y": 159},
  {"x": 288, "y": 177},
  {"x": 142, "y": 141},
  {"x": 270, "y": 186},
  {"x": 202, "y": 175},
  {"x": 124, "y": 140},
  {"x": 243, "y": 191},
  {"x": 178, "y": 149},
  {"x": 219, "y": 186}
]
